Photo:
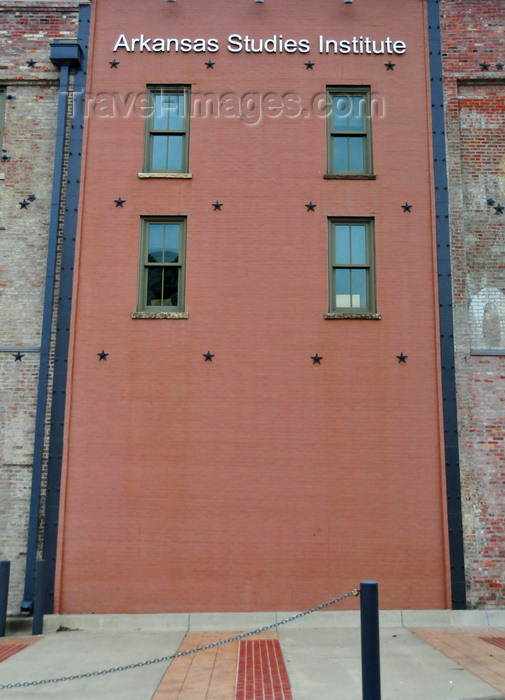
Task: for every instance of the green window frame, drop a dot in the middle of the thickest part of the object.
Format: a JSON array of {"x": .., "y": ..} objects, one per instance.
[
  {"x": 162, "y": 264},
  {"x": 167, "y": 129},
  {"x": 352, "y": 266},
  {"x": 349, "y": 131}
]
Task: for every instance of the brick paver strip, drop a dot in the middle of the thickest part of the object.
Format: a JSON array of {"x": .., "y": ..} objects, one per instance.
[
  {"x": 7, "y": 650},
  {"x": 213, "y": 674},
  {"x": 209, "y": 674},
  {"x": 262, "y": 673},
  {"x": 497, "y": 641},
  {"x": 471, "y": 650}
]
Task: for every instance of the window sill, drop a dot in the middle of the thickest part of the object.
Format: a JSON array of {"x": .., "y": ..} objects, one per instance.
[
  {"x": 170, "y": 176},
  {"x": 361, "y": 176},
  {"x": 478, "y": 351},
  {"x": 160, "y": 314},
  {"x": 366, "y": 316}
]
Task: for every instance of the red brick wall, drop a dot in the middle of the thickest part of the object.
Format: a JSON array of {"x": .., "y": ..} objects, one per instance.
[
  {"x": 260, "y": 480},
  {"x": 473, "y": 35}
]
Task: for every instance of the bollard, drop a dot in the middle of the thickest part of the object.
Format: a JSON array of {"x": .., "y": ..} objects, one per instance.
[
  {"x": 5, "y": 567},
  {"x": 38, "y": 601},
  {"x": 370, "y": 647}
]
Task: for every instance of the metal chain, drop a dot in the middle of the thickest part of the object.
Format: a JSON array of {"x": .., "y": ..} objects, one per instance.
[{"x": 195, "y": 650}]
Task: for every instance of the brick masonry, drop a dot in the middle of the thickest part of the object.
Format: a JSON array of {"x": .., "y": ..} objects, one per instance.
[
  {"x": 26, "y": 31},
  {"x": 473, "y": 36}
]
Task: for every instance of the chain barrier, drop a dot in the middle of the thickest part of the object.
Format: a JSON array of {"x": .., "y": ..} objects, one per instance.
[{"x": 187, "y": 652}]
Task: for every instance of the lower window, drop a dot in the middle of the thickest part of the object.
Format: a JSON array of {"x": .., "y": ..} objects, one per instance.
[
  {"x": 162, "y": 264},
  {"x": 352, "y": 268}
]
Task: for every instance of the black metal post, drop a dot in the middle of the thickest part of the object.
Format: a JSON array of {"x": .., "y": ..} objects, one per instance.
[
  {"x": 370, "y": 646},
  {"x": 5, "y": 567},
  {"x": 38, "y": 602}
]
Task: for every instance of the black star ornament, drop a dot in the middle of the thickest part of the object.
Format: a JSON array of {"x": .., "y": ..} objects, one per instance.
[
  {"x": 210, "y": 64},
  {"x": 119, "y": 202},
  {"x": 208, "y": 356},
  {"x": 24, "y": 204},
  {"x": 217, "y": 205},
  {"x": 499, "y": 66},
  {"x": 498, "y": 209},
  {"x": 402, "y": 358},
  {"x": 309, "y": 65},
  {"x": 102, "y": 355},
  {"x": 406, "y": 206},
  {"x": 490, "y": 202},
  {"x": 316, "y": 359},
  {"x": 390, "y": 66},
  {"x": 18, "y": 357},
  {"x": 31, "y": 63},
  {"x": 484, "y": 66},
  {"x": 310, "y": 206},
  {"x": 114, "y": 63}
]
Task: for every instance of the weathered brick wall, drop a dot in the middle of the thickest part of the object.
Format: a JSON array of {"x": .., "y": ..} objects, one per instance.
[
  {"x": 473, "y": 36},
  {"x": 26, "y": 31}
]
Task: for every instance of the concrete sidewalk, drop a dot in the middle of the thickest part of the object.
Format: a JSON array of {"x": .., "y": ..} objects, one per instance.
[{"x": 321, "y": 654}]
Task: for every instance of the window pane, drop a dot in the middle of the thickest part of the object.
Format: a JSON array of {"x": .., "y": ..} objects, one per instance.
[
  {"x": 356, "y": 117},
  {"x": 155, "y": 244},
  {"x": 160, "y": 152},
  {"x": 176, "y": 113},
  {"x": 342, "y": 288},
  {"x": 342, "y": 107},
  {"x": 175, "y": 152},
  {"x": 171, "y": 247},
  {"x": 358, "y": 237},
  {"x": 168, "y": 112},
  {"x": 356, "y": 153},
  {"x": 160, "y": 117},
  {"x": 342, "y": 245},
  {"x": 359, "y": 288},
  {"x": 340, "y": 153},
  {"x": 167, "y": 152},
  {"x": 154, "y": 283},
  {"x": 170, "y": 286}
]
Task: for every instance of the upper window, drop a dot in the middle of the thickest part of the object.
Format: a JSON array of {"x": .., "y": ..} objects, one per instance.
[
  {"x": 349, "y": 131},
  {"x": 167, "y": 129},
  {"x": 351, "y": 269},
  {"x": 162, "y": 262}
]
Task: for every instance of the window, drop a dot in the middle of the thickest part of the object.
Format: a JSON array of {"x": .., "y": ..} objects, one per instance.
[
  {"x": 162, "y": 251},
  {"x": 167, "y": 129},
  {"x": 349, "y": 137},
  {"x": 351, "y": 270}
]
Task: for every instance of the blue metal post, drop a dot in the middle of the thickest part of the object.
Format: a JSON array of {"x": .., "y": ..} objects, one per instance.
[
  {"x": 38, "y": 603},
  {"x": 5, "y": 567},
  {"x": 370, "y": 646}
]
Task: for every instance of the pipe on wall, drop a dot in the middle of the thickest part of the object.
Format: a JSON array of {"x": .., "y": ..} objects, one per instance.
[{"x": 68, "y": 56}]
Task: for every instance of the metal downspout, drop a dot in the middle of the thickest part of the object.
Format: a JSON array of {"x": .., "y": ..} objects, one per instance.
[
  {"x": 452, "y": 467},
  {"x": 65, "y": 55}
]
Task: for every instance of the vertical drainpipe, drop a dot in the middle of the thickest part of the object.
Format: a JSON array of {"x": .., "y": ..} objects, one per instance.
[
  {"x": 452, "y": 469},
  {"x": 66, "y": 55}
]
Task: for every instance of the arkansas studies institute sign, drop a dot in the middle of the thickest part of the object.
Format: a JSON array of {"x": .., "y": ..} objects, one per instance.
[{"x": 236, "y": 43}]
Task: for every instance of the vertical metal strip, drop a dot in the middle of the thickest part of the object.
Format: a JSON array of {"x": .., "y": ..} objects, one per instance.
[
  {"x": 64, "y": 311},
  {"x": 455, "y": 520},
  {"x": 61, "y": 342},
  {"x": 45, "y": 342}
]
